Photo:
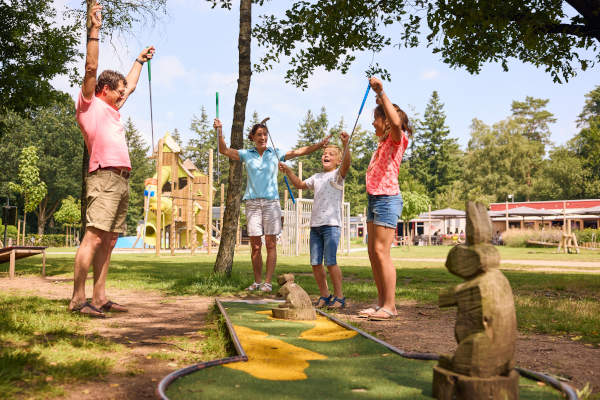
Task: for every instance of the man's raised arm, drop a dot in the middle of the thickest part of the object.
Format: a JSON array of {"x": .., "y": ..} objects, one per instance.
[
  {"x": 91, "y": 58},
  {"x": 134, "y": 74}
]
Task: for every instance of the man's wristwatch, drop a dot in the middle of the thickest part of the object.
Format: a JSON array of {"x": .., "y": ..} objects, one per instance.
[{"x": 140, "y": 61}]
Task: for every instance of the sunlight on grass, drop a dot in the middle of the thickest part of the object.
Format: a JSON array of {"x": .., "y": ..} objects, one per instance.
[{"x": 42, "y": 347}]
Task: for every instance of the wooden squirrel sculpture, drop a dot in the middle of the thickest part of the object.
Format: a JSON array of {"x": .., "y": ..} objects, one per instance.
[
  {"x": 486, "y": 324},
  {"x": 297, "y": 302}
]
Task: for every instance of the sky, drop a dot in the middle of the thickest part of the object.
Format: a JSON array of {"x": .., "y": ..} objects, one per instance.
[{"x": 196, "y": 56}]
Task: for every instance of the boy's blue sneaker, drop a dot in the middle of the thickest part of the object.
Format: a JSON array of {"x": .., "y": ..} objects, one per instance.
[
  {"x": 324, "y": 301},
  {"x": 341, "y": 302}
]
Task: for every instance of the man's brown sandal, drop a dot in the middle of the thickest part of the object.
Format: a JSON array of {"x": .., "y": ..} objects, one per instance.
[
  {"x": 95, "y": 313},
  {"x": 111, "y": 306}
]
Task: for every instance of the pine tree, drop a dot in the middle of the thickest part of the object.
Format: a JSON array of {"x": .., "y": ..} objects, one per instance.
[
  {"x": 435, "y": 157},
  {"x": 312, "y": 130},
  {"x": 141, "y": 169}
]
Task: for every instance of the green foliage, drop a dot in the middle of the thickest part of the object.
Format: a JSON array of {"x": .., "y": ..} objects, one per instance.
[
  {"x": 435, "y": 158},
  {"x": 30, "y": 185},
  {"x": 588, "y": 235},
  {"x": 591, "y": 107},
  {"x": 141, "y": 168},
  {"x": 562, "y": 176},
  {"x": 466, "y": 34},
  {"x": 198, "y": 146},
  {"x": 498, "y": 161},
  {"x": 312, "y": 130},
  {"x": 33, "y": 50},
  {"x": 69, "y": 212},
  {"x": 586, "y": 145},
  {"x": 54, "y": 131},
  {"x": 534, "y": 118},
  {"x": 414, "y": 204}
]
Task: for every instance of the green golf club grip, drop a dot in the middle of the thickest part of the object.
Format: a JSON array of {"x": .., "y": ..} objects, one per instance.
[{"x": 217, "y": 104}]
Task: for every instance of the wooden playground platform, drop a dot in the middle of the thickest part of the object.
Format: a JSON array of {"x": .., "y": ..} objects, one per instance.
[{"x": 13, "y": 253}]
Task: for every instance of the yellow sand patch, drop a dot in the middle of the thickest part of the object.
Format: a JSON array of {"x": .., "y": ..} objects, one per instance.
[
  {"x": 324, "y": 329},
  {"x": 270, "y": 358}
]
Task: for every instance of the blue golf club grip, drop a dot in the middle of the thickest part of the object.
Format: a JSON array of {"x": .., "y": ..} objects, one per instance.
[
  {"x": 289, "y": 189},
  {"x": 364, "y": 99}
]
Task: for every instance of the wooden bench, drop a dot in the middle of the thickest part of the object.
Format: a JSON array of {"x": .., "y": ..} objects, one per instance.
[{"x": 13, "y": 253}]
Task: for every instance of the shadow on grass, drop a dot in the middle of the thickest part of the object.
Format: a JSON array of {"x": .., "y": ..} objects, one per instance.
[{"x": 42, "y": 347}]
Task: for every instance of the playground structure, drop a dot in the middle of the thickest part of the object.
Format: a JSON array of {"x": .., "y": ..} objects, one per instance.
[{"x": 177, "y": 200}]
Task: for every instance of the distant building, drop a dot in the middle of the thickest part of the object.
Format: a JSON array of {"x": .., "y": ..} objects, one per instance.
[{"x": 582, "y": 214}]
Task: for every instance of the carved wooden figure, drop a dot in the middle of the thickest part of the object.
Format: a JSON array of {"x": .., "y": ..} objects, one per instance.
[
  {"x": 482, "y": 366},
  {"x": 297, "y": 302}
]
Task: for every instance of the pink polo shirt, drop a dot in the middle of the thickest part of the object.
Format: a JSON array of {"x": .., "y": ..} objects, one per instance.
[
  {"x": 383, "y": 170},
  {"x": 103, "y": 134}
]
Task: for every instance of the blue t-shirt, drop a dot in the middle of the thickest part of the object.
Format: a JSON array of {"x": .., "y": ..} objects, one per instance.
[{"x": 262, "y": 173}]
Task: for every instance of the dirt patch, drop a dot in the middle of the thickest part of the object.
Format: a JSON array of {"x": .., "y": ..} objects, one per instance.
[
  {"x": 151, "y": 317},
  {"x": 428, "y": 329}
]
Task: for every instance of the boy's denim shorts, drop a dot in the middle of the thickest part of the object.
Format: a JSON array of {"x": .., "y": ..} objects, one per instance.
[
  {"x": 324, "y": 241},
  {"x": 384, "y": 210}
]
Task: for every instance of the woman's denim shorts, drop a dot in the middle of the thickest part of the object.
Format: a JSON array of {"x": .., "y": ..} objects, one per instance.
[
  {"x": 384, "y": 210},
  {"x": 324, "y": 241}
]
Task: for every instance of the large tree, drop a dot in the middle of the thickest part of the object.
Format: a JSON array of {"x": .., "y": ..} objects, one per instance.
[
  {"x": 224, "y": 261},
  {"x": 33, "y": 51},
  {"x": 435, "y": 157},
  {"x": 465, "y": 33}
]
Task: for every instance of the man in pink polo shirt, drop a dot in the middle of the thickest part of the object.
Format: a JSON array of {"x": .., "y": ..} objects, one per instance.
[{"x": 107, "y": 184}]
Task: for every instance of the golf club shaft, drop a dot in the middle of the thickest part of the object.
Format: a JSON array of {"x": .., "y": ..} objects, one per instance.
[
  {"x": 151, "y": 116},
  {"x": 356, "y": 122},
  {"x": 285, "y": 176}
]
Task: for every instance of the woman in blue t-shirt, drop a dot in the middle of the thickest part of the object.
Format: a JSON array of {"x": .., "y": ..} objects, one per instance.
[{"x": 263, "y": 211}]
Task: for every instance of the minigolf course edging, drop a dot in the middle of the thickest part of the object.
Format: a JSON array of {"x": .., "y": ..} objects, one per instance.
[{"x": 326, "y": 358}]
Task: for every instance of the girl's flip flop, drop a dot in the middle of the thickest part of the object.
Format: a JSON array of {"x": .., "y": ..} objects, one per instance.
[
  {"x": 368, "y": 311},
  {"x": 386, "y": 315}
]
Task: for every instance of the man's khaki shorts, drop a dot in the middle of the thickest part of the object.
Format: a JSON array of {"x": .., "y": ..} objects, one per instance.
[{"x": 107, "y": 200}]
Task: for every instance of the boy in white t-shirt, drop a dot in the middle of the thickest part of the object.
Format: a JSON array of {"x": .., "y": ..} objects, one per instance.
[{"x": 326, "y": 219}]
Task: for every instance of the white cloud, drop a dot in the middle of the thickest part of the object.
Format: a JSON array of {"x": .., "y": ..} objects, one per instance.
[
  {"x": 168, "y": 69},
  {"x": 430, "y": 74}
]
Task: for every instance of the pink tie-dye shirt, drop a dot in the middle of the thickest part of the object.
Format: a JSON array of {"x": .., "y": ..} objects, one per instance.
[
  {"x": 103, "y": 133},
  {"x": 382, "y": 173}
]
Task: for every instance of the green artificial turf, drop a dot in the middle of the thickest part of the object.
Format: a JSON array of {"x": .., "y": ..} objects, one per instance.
[{"x": 355, "y": 368}]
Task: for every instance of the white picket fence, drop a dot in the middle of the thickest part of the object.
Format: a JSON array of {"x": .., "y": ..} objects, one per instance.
[{"x": 296, "y": 228}]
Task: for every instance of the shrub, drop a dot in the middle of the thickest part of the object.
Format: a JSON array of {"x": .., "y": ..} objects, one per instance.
[
  {"x": 519, "y": 237},
  {"x": 588, "y": 235}
]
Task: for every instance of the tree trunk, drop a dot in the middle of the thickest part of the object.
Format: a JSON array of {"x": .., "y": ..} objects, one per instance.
[
  {"x": 44, "y": 214},
  {"x": 224, "y": 261}
]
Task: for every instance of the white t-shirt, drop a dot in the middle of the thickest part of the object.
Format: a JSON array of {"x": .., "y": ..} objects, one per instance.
[{"x": 327, "y": 205}]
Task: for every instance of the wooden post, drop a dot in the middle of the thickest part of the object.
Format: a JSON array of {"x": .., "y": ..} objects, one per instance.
[
  {"x": 44, "y": 262},
  {"x": 297, "y": 233},
  {"x": 429, "y": 236},
  {"x": 238, "y": 235},
  {"x": 174, "y": 214},
  {"x": 222, "y": 208},
  {"x": 18, "y": 231},
  {"x": 159, "y": 165},
  {"x": 300, "y": 177},
  {"x": 210, "y": 201},
  {"x": 506, "y": 215},
  {"x": 11, "y": 268}
]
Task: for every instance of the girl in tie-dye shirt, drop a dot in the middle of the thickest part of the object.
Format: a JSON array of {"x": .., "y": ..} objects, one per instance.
[{"x": 384, "y": 199}]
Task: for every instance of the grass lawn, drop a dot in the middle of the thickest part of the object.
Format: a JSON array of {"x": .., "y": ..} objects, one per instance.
[{"x": 553, "y": 303}]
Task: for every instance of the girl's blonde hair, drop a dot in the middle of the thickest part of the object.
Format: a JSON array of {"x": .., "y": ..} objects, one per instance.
[{"x": 404, "y": 124}]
